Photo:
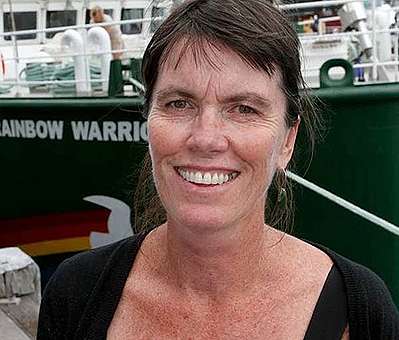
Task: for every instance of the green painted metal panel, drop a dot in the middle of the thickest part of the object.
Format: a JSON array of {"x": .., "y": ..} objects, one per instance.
[
  {"x": 359, "y": 161},
  {"x": 43, "y": 175}
]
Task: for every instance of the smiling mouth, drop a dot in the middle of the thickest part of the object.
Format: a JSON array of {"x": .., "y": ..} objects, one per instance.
[{"x": 208, "y": 177}]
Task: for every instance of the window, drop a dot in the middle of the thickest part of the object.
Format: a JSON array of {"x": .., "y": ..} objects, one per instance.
[
  {"x": 132, "y": 13},
  {"x": 23, "y": 21},
  {"x": 59, "y": 19},
  {"x": 108, "y": 11},
  {"x": 155, "y": 13}
]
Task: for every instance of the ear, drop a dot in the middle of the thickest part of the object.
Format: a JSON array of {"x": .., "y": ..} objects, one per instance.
[{"x": 288, "y": 145}]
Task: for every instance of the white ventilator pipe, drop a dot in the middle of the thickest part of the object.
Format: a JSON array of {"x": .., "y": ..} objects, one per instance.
[
  {"x": 99, "y": 38},
  {"x": 354, "y": 15},
  {"x": 384, "y": 18},
  {"x": 74, "y": 41}
]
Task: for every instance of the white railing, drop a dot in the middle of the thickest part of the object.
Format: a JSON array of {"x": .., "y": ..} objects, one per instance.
[
  {"x": 17, "y": 58},
  {"x": 51, "y": 82},
  {"x": 83, "y": 26},
  {"x": 378, "y": 221},
  {"x": 70, "y": 55},
  {"x": 372, "y": 61},
  {"x": 316, "y": 4}
]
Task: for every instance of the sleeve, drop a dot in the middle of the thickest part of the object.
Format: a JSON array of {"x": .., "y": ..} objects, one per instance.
[
  {"x": 384, "y": 316},
  {"x": 65, "y": 299},
  {"x": 372, "y": 312},
  {"x": 70, "y": 297},
  {"x": 54, "y": 308}
]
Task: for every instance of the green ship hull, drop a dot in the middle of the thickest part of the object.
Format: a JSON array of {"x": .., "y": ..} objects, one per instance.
[{"x": 57, "y": 154}]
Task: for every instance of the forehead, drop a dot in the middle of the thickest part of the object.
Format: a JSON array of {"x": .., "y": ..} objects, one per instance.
[{"x": 203, "y": 61}]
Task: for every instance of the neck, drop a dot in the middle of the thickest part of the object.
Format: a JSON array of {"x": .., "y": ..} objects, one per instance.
[{"x": 219, "y": 264}]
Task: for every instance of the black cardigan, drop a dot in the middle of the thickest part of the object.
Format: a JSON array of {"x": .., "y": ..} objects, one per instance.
[{"x": 80, "y": 299}]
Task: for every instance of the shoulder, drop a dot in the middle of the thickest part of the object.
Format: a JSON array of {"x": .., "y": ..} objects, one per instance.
[
  {"x": 86, "y": 267},
  {"x": 77, "y": 280},
  {"x": 360, "y": 280},
  {"x": 107, "y": 18},
  {"x": 372, "y": 311}
]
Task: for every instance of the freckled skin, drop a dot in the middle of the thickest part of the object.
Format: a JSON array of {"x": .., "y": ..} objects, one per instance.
[{"x": 207, "y": 127}]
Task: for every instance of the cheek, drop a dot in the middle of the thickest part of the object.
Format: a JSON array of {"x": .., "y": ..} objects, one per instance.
[
  {"x": 164, "y": 143},
  {"x": 262, "y": 154},
  {"x": 158, "y": 137},
  {"x": 263, "y": 148},
  {"x": 156, "y": 146}
]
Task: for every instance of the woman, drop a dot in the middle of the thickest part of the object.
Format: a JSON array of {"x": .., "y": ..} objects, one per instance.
[{"x": 223, "y": 106}]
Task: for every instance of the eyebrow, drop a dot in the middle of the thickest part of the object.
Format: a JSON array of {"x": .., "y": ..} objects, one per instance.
[
  {"x": 239, "y": 97},
  {"x": 165, "y": 94},
  {"x": 248, "y": 96}
]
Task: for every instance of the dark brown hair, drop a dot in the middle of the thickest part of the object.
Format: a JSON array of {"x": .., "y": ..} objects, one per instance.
[{"x": 264, "y": 38}]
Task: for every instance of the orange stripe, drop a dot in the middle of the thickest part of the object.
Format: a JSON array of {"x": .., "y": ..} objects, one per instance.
[{"x": 56, "y": 246}]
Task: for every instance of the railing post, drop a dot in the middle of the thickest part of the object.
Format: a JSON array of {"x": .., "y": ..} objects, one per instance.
[{"x": 115, "y": 79}]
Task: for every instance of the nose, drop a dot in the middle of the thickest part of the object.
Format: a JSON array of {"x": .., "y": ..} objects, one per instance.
[{"x": 208, "y": 134}]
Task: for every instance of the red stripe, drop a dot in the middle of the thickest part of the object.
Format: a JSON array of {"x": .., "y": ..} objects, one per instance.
[{"x": 52, "y": 227}]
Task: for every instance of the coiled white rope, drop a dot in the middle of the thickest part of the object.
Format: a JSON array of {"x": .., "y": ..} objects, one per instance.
[{"x": 345, "y": 204}]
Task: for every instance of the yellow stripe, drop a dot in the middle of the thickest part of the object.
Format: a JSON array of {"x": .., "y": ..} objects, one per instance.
[{"x": 56, "y": 246}]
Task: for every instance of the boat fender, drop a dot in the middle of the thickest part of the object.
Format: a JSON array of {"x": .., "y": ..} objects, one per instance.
[
  {"x": 74, "y": 42},
  {"x": 99, "y": 38}
]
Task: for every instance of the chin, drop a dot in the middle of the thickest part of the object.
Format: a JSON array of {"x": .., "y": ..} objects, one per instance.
[{"x": 203, "y": 218}]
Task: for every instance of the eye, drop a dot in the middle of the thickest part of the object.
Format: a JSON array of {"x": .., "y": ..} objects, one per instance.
[
  {"x": 244, "y": 109},
  {"x": 179, "y": 104}
]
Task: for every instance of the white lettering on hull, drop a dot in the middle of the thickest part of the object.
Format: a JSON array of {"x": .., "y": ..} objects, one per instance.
[
  {"x": 107, "y": 131},
  {"x": 32, "y": 129},
  {"x": 123, "y": 131}
]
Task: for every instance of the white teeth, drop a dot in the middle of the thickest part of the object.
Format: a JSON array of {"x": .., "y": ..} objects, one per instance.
[
  {"x": 215, "y": 179},
  {"x": 182, "y": 173},
  {"x": 207, "y": 178},
  {"x": 198, "y": 177}
]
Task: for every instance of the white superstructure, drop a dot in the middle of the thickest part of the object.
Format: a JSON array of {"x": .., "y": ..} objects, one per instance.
[{"x": 29, "y": 57}]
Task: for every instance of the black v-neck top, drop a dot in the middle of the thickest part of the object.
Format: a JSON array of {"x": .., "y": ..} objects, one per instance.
[
  {"x": 330, "y": 315},
  {"x": 81, "y": 297}
]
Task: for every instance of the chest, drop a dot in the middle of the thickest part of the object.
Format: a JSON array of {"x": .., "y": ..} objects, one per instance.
[{"x": 259, "y": 317}]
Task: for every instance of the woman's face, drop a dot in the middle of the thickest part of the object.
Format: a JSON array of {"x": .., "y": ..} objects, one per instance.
[{"x": 217, "y": 134}]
